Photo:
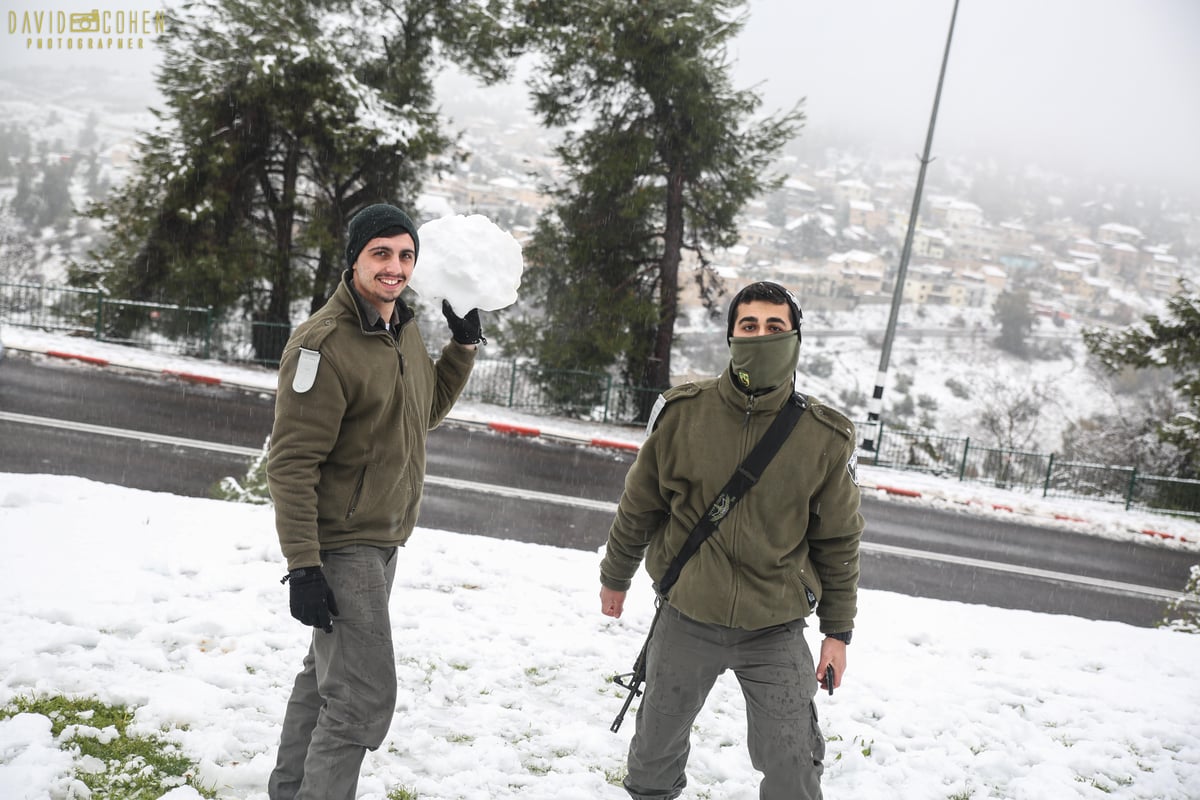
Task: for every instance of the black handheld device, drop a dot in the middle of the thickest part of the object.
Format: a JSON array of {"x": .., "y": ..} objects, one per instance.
[{"x": 829, "y": 677}]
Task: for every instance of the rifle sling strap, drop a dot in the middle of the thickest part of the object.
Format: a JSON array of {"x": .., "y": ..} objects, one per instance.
[{"x": 746, "y": 475}]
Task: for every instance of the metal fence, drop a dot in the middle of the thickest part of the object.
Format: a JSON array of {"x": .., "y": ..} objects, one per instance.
[
  {"x": 162, "y": 327},
  {"x": 73, "y": 311},
  {"x": 574, "y": 393},
  {"x": 244, "y": 341},
  {"x": 1040, "y": 472},
  {"x": 585, "y": 395}
]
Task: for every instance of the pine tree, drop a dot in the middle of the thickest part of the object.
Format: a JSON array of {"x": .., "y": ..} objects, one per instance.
[
  {"x": 55, "y": 192},
  {"x": 669, "y": 155},
  {"x": 282, "y": 119},
  {"x": 26, "y": 204},
  {"x": 1172, "y": 342},
  {"x": 1015, "y": 317}
]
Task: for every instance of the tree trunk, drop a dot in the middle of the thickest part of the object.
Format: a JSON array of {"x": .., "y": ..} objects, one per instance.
[
  {"x": 656, "y": 375},
  {"x": 279, "y": 299},
  {"x": 329, "y": 260}
]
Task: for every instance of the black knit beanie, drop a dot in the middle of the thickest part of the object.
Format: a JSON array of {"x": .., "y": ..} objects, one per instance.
[
  {"x": 377, "y": 220},
  {"x": 771, "y": 293}
]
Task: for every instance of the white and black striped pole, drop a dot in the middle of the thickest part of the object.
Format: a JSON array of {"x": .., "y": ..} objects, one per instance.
[{"x": 875, "y": 406}]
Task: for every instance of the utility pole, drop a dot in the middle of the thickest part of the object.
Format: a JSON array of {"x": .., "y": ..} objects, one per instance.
[{"x": 876, "y": 405}]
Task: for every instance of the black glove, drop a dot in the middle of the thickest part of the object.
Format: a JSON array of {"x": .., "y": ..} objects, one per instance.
[
  {"x": 312, "y": 600},
  {"x": 465, "y": 330}
]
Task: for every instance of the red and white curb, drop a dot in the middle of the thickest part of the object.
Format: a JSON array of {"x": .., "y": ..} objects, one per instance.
[
  {"x": 191, "y": 377},
  {"x": 912, "y": 493},
  {"x": 524, "y": 430}
]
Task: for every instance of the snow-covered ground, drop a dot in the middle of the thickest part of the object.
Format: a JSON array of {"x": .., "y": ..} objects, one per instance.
[{"x": 173, "y": 606}]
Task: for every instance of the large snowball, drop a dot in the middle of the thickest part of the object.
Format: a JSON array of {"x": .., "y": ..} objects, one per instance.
[{"x": 469, "y": 261}]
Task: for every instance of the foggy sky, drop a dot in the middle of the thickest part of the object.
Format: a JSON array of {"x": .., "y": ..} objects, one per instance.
[{"x": 1110, "y": 86}]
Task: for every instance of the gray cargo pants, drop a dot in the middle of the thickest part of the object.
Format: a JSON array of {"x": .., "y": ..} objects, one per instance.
[
  {"x": 775, "y": 669},
  {"x": 345, "y": 695}
]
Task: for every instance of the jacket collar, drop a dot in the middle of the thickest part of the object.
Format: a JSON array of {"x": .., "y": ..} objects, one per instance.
[
  {"x": 767, "y": 403},
  {"x": 369, "y": 319}
]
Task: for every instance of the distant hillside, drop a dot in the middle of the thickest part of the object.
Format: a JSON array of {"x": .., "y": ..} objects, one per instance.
[{"x": 942, "y": 380}]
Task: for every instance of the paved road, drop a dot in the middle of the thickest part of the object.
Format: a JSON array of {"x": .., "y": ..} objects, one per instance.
[{"x": 156, "y": 433}]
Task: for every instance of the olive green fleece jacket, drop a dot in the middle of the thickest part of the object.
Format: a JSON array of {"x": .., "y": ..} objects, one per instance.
[
  {"x": 795, "y": 532},
  {"x": 347, "y": 456}
]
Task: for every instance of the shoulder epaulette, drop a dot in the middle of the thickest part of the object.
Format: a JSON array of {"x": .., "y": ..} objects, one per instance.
[
  {"x": 833, "y": 419},
  {"x": 683, "y": 390},
  {"x": 315, "y": 335},
  {"x": 690, "y": 389}
]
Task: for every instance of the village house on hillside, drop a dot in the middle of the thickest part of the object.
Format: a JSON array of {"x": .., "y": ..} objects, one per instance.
[{"x": 842, "y": 239}]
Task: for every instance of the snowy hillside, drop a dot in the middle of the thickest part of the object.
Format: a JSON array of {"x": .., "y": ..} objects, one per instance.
[{"x": 943, "y": 363}]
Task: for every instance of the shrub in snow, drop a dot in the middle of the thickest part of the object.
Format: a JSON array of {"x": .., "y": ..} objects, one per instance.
[
  {"x": 1183, "y": 614},
  {"x": 253, "y": 486}
]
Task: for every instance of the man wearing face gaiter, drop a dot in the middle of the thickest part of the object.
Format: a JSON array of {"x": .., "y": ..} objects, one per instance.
[{"x": 788, "y": 548}]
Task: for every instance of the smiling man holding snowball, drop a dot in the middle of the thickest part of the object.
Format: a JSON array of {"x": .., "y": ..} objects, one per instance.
[{"x": 358, "y": 393}]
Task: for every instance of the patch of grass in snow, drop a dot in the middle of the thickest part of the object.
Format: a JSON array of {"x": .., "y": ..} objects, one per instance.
[
  {"x": 111, "y": 762},
  {"x": 537, "y": 768},
  {"x": 1099, "y": 782},
  {"x": 403, "y": 793},
  {"x": 860, "y": 743},
  {"x": 428, "y": 668},
  {"x": 537, "y": 677},
  {"x": 615, "y": 776}
]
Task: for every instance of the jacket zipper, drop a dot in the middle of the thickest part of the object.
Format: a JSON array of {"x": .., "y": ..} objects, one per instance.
[
  {"x": 734, "y": 539},
  {"x": 750, "y": 402}
]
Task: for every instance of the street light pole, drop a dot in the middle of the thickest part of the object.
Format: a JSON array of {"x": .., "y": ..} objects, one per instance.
[{"x": 876, "y": 405}]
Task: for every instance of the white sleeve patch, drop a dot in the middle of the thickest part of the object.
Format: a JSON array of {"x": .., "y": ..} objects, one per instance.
[
  {"x": 655, "y": 410},
  {"x": 306, "y": 370}
]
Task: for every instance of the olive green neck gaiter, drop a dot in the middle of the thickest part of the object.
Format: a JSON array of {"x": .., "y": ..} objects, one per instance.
[{"x": 759, "y": 363}]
